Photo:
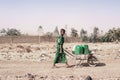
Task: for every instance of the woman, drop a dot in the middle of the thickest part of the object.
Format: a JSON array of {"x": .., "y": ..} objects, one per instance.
[{"x": 60, "y": 56}]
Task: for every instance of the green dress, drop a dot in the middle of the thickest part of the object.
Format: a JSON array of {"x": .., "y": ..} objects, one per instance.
[{"x": 60, "y": 57}]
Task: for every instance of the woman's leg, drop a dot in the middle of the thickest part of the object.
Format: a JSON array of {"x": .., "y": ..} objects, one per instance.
[{"x": 54, "y": 65}]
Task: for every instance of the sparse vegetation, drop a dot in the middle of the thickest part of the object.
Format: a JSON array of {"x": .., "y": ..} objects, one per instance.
[
  {"x": 10, "y": 32},
  {"x": 74, "y": 33},
  {"x": 110, "y": 36},
  {"x": 83, "y": 35},
  {"x": 56, "y": 32}
]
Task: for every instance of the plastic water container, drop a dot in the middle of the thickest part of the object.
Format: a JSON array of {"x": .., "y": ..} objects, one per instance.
[
  {"x": 79, "y": 49},
  {"x": 86, "y": 49}
]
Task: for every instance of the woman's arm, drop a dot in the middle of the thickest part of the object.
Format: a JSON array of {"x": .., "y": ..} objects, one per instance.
[{"x": 61, "y": 48}]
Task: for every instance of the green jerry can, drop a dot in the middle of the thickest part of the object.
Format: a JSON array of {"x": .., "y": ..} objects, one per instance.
[
  {"x": 79, "y": 49},
  {"x": 86, "y": 49}
]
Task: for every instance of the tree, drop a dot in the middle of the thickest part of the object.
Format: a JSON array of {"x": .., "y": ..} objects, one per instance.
[
  {"x": 74, "y": 32},
  {"x": 65, "y": 35},
  {"x": 66, "y": 26},
  {"x": 2, "y": 32},
  {"x": 95, "y": 34},
  {"x": 56, "y": 32},
  {"x": 40, "y": 32},
  {"x": 112, "y": 35},
  {"x": 49, "y": 35},
  {"x": 83, "y": 35},
  {"x": 12, "y": 33}
]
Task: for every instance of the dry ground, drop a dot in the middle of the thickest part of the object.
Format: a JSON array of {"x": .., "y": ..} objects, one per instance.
[{"x": 34, "y": 62}]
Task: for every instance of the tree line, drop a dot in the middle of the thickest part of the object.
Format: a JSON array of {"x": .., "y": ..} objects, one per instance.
[{"x": 110, "y": 36}]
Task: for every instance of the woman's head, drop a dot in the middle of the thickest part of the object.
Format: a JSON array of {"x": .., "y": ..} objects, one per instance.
[{"x": 62, "y": 31}]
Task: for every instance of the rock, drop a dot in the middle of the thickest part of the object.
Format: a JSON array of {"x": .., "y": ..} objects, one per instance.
[
  {"x": 88, "y": 78},
  {"x": 30, "y": 76}
]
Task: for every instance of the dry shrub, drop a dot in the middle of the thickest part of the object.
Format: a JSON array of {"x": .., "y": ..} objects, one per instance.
[
  {"x": 37, "y": 48},
  {"x": 28, "y": 50},
  {"x": 10, "y": 47},
  {"x": 20, "y": 49},
  {"x": 20, "y": 46}
]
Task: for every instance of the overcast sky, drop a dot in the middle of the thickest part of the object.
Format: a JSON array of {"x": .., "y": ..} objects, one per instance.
[{"x": 27, "y": 15}]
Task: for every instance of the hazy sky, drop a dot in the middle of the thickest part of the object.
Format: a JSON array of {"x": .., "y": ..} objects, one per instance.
[{"x": 27, "y": 15}]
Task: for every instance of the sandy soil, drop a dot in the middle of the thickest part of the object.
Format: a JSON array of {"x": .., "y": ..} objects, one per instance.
[{"x": 34, "y": 62}]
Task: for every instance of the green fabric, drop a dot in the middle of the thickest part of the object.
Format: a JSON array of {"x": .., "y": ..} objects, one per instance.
[
  {"x": 60, "y": 57},
  {"x": 86, "y": 49}
]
